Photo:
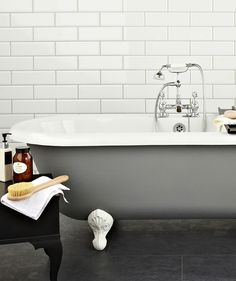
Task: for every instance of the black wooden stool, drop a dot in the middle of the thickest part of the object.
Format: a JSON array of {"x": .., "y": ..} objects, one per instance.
[{"x": 43, "y": 233}]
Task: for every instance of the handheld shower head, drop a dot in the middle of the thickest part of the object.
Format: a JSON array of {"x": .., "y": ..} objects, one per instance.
[
  {"x": 159, "y": 76},
  {"x": 173, "y": 68},
  {"x": 178, "y": 68}
]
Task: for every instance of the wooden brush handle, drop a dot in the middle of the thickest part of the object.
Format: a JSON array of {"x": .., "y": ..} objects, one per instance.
[{"x": 52, "y": 182}]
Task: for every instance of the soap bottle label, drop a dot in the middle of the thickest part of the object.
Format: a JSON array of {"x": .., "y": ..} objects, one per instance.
[
  {"x": 8, "y": 157},
  {"x": 19, "y": 167}
]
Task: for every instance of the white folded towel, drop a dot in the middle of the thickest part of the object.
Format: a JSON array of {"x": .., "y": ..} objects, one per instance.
[
  {"x": 35, "y": 204},
  {"x": 221, "y": 120}
]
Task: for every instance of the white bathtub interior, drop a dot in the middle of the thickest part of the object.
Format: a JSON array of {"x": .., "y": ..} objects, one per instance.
[
  {"x": 117, "y": 129},
  {"x": 115, "y": 123}
]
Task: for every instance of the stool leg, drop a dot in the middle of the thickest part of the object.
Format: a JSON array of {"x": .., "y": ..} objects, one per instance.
[
  {"x": 54, "y": 251},
  {"x": 53, "y": 248},
  {"x": 100, "y": 223}
]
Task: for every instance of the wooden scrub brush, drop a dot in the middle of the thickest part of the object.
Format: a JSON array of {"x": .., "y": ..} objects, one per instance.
[{"x": 23, "y": 190}]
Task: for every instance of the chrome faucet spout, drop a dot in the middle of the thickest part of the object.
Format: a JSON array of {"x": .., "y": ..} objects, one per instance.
[{"x": 163, "y": 106}]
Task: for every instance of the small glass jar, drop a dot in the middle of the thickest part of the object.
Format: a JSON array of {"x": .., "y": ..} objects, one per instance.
[{"x": 22, "y": 165}]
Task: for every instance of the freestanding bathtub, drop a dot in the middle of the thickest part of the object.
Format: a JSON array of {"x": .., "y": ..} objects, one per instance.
[{"x": 120, "y": 164}]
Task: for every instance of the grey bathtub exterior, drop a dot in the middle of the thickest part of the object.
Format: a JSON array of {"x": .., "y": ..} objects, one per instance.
[{"x": 145, "y": 182}]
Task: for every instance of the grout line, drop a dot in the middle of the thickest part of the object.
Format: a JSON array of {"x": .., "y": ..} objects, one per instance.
[
  {"x": 10, "y": 20},
  {"x": 123, "y": 38},
  {"x": 78, "y": 63},
  {"x": 100, "y": 19},
  {"x": 108, "y": 40},
  {"x": 56, "y": 103},
  {"x": 11, "y": 106},
  {"x": 137, "y": 70},
  {"x": 158, "y": 26},
  {"x": 78, "y": 91},
  {"x": 100, "y": 105},
  {"x": 54, "y": 20},
  {"x": 130, "y": 12},
  {"x": 160, "y": 55},
  {"x": 56, "y": 77}
]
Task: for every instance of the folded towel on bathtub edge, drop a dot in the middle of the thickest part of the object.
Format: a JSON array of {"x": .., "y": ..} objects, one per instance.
[{"x": 221, "y": 120}]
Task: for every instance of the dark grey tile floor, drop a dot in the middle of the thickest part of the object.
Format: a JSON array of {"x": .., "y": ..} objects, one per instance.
[{"x": 168, "y": 250}]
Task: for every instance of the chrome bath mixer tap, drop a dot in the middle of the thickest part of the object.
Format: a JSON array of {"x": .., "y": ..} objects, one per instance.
[{"x": 192, "y": 108}]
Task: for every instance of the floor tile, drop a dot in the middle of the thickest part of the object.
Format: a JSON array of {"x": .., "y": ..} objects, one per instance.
[
  {"x": 103, "y": 267},
  {"x": 29, "y": 265},
  {"x": 209, "y": 268}
]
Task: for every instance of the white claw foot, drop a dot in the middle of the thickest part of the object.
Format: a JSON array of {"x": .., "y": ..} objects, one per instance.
[{"x": 100, "y": 223}]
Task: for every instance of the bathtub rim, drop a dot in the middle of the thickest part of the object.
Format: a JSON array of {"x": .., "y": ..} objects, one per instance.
[{"x": 22, "y": 132}]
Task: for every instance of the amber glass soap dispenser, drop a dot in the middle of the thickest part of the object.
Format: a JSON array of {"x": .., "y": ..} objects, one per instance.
[
  {"x": 22, "y": 165},
  {"x": 5, "y": 160}
]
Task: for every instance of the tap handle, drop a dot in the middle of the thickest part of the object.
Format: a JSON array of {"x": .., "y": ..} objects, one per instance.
[
  {"x": 178, "y": 108},
  {"x": 162, "y": 96},
  {"x": 194, "y": 94}
]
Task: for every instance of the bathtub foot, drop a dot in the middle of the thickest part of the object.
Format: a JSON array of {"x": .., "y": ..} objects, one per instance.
[{"x": 100, "y": 223}]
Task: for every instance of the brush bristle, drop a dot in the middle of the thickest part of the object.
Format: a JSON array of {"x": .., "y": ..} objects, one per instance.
[{"x": 20, "y": 189}]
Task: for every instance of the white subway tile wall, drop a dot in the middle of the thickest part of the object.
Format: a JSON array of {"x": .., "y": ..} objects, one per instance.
[{"x": 90, "y": 56}]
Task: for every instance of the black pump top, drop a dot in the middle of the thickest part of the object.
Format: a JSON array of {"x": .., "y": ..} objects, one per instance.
[{"x": 4, "y": 136}]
